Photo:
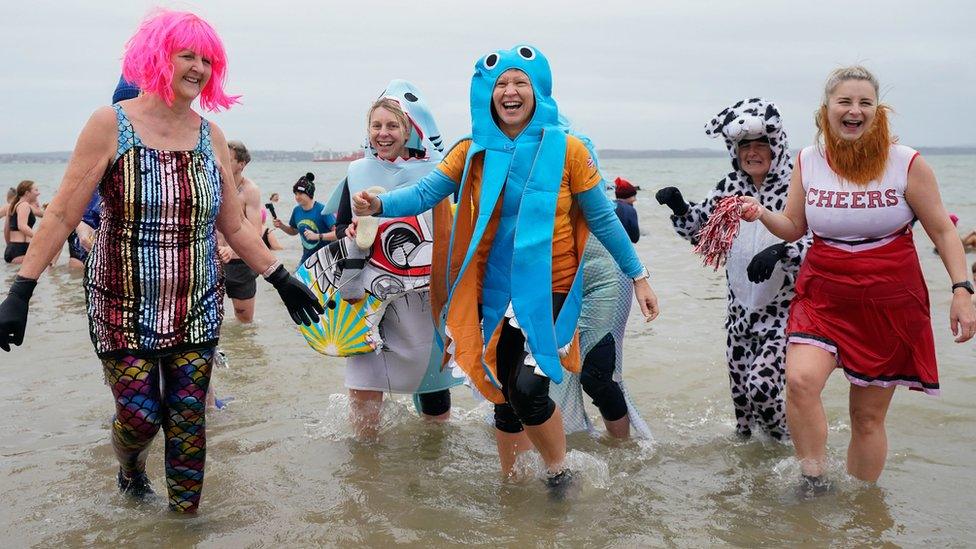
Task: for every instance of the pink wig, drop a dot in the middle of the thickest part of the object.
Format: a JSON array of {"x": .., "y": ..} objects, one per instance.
[{"x": 147, "y": 56}]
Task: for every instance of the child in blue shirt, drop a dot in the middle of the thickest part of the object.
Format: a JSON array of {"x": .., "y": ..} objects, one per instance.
[{"x": 309, "y": 219}]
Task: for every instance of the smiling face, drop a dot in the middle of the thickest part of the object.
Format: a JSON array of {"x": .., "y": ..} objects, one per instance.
[
  {"x": 387, "y": 134},
  {"x": 191, "y": 72},
  {"x": 851, "y": 109},
  {"x": 755, "y": 158},
  {"x": 513, "y": 100}
]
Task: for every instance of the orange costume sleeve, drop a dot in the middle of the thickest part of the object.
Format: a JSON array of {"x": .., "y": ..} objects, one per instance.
[
  {"x": 451, "y": 166},
  {"x": 569, "y": 233}
]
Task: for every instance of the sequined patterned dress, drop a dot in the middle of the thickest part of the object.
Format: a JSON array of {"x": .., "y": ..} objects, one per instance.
[{"x": 153, "y": 284}]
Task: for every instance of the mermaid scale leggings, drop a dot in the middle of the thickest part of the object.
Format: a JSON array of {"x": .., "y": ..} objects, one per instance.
[{"x": 170, "y": 392}]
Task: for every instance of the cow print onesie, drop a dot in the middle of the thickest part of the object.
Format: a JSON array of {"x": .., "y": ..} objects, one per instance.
[{"x": 757, "y": 313}]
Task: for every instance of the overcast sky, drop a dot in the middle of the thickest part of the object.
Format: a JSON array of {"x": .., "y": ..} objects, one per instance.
[{"x": 636, "y": 75}]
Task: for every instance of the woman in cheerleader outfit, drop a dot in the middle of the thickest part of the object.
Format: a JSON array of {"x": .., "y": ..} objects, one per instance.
[{"x": 861, "y": 302}]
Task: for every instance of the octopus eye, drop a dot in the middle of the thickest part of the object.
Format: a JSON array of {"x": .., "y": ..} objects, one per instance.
[
  {"x": 410, "y": 97},
  {"x": 527, "y": 53},
  {"x": 490, "y": 61}
]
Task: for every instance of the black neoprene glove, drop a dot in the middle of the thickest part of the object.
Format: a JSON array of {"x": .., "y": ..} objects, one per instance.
[
  {"x": 762, "y": 265},
  {"x": 13, "y": 312},
  {"x": 302, "y": 304},
  {"x": 671, "y": 197}
]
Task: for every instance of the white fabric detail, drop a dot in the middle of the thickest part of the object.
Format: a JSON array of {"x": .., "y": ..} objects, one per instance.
[
  {"x": 450, "y": 349},
  {"x": 752, "y": 239},
  {"x": 529, "y": 359}
]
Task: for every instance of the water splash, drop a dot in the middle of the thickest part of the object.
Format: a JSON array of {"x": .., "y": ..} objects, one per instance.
[{"x": 332, "y": 422}]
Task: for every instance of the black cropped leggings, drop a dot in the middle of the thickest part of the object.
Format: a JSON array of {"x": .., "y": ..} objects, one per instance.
[
  {"x": 526, "y": 393},
  {"x": 436, "y": 403},
  {"x": 597, "y": 379}
]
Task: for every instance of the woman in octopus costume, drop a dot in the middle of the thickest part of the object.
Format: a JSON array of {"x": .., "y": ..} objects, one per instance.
[
  {"x": 152, "y": 281},
  {"x": 402, "y": 146},
  {"x": 761, "y": 269},
  {"x": 529, "y": 195}
]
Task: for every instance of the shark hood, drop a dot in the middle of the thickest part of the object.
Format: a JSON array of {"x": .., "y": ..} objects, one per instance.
[
  {"x": 425, "y": 144},
  {"x": 425, "y": 137}
]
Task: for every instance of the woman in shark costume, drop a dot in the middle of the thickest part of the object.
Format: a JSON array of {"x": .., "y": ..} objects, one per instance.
[
  {"x": 761, "y": 270},
  {"x": 406, "y": 362},
  {"x": 529, "y": 195}
]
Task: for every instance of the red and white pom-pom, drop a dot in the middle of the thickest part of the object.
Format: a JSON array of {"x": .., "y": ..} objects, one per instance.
[{"x": 715, "y": 238}]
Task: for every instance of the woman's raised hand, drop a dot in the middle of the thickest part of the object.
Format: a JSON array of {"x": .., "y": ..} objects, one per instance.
[
  {"x": 365, "y": 203},
  {"x": 751, "y": 209}
]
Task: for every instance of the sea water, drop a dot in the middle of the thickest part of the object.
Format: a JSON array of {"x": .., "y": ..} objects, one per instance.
[{"x": 284, "y": 469}]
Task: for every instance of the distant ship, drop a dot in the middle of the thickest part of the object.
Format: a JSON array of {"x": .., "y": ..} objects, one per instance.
[{"x": 329, "y": 156}]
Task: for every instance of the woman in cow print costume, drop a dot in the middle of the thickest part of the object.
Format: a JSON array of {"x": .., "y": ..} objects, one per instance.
[{"x": 761, "y": 270}]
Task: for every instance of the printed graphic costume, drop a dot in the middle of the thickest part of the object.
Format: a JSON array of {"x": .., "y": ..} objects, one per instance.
[
  {"x": 518, "y": 235},
  {"x": 395, "y": 273},
  {"x": 757, "y": 313}
]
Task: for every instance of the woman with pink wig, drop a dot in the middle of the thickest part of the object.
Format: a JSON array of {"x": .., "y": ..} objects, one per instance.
[{"x": 152, "y": 280}]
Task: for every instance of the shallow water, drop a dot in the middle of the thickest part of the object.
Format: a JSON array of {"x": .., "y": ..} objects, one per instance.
[{"x": 283, "y": 467}]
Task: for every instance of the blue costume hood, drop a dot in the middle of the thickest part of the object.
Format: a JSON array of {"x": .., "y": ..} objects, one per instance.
[{"x": 485, "y": 131}]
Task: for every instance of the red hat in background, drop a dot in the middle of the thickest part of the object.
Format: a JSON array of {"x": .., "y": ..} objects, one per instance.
[
  {"x": 624, "y": 189},
  {"x": 954, "y": 218}
]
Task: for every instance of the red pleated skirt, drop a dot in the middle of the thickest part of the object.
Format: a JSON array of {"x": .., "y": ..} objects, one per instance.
[{"x": 870, "y": 309}]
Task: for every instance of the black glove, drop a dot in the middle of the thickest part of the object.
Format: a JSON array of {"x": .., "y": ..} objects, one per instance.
[
  {"x": 671, "y": 196},
  {"x": 302, "y": 304},
  {"x": 13, "y": 312},
  {"x": 761, "y": 267}
]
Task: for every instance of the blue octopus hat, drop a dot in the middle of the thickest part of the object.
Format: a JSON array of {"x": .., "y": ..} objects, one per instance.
[{"x": 527, "y": 59}]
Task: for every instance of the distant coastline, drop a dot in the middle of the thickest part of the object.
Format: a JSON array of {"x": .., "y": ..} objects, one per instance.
[{"x": 60, "y": 157}]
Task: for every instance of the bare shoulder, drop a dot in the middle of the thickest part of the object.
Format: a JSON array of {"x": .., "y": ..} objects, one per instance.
[
  {"x": 251, "y": 190},
  {"x": 99, "y": 137},
  {"x": 103, "y": 120},
  {"x": 919, "y": 168},
  {"x": 217, "y": 134}
]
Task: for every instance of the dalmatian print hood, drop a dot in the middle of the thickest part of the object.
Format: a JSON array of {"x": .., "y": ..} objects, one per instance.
[{"x": 752, "y": 119}]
